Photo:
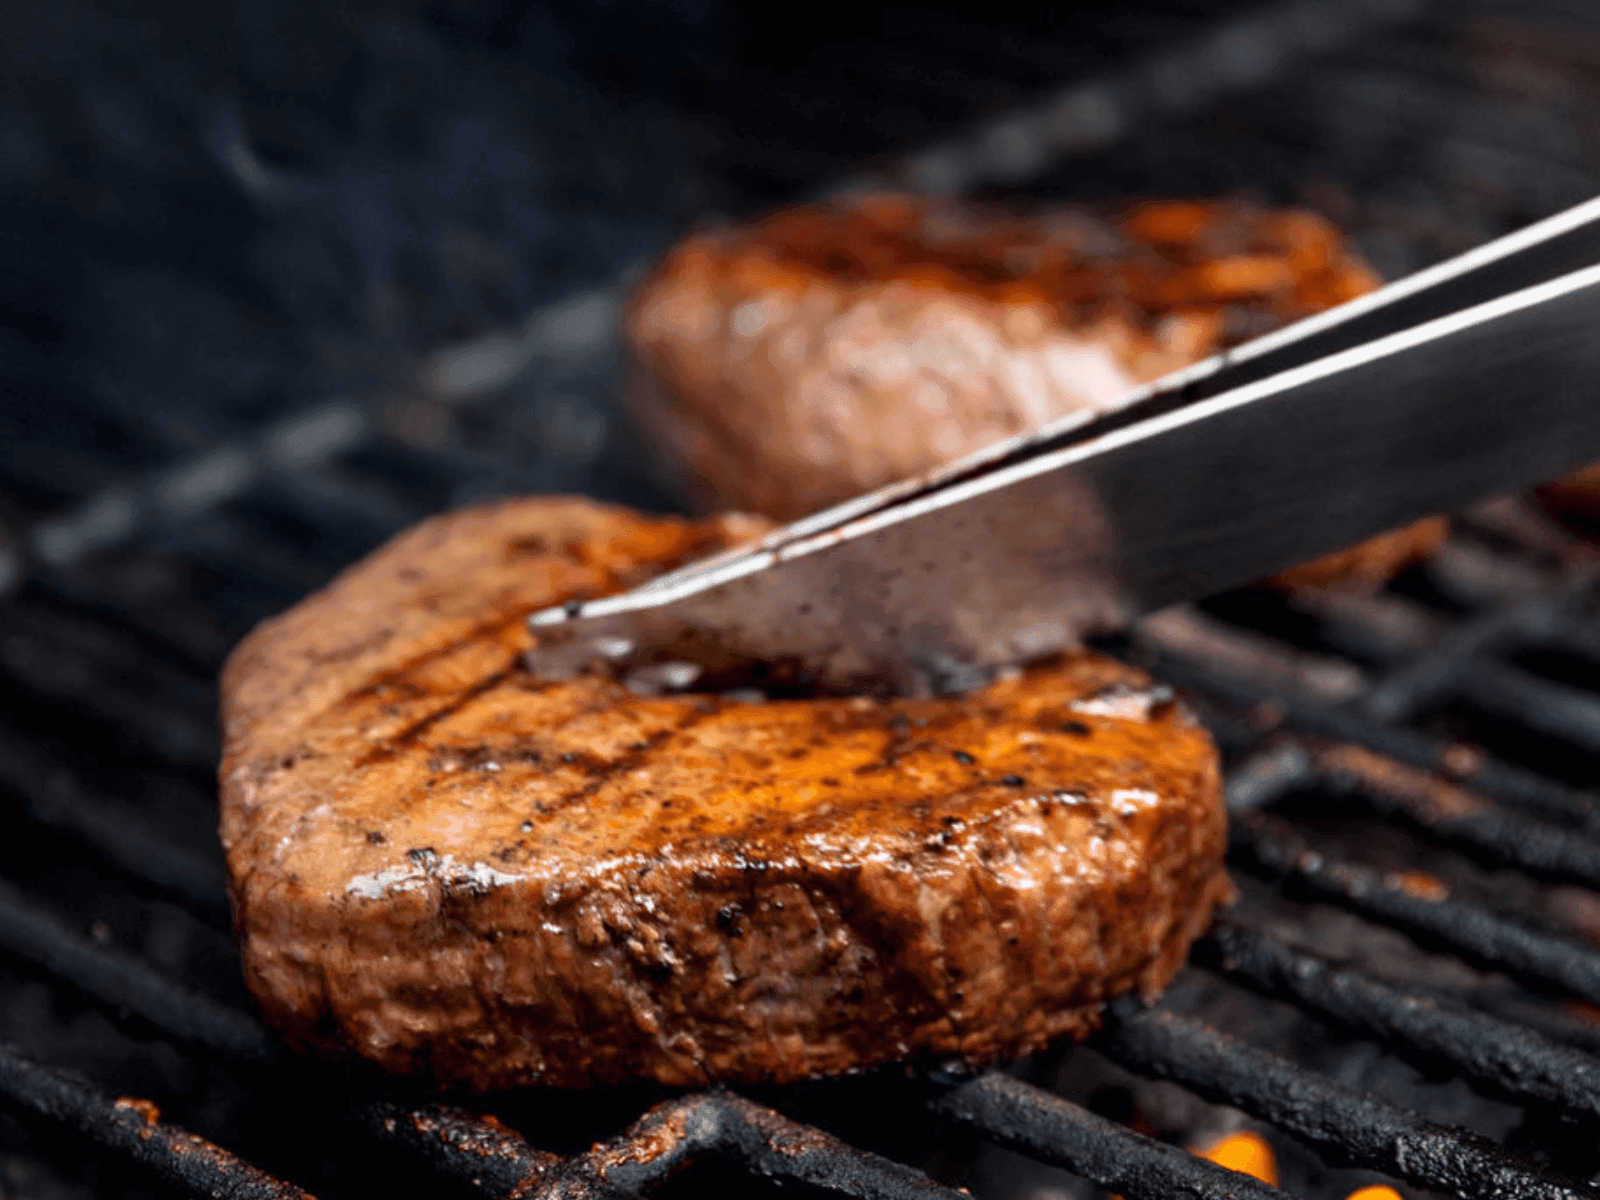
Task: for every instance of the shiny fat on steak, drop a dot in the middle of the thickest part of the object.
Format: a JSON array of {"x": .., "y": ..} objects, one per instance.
[{"x": 452, "y": 870}]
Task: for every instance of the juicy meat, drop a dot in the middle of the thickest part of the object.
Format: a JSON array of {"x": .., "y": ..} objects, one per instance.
[
  {"x": 1575, "y": 492},
  {"x": 1369, "y": 565},
  {"x": 448, "y": 868},
  {"x": 797, "y": 360}
]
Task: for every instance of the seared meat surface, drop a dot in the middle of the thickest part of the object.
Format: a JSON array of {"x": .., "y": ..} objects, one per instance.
[
  {"x": 786, "y": 364},
  {"x": 1577, "y": 492},
  {"x": 448, "y": 868}
]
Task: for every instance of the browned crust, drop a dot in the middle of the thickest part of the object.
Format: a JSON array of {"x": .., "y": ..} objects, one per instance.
[
  {"x": 1371, "y": 564},
  {"x": 446, "y": 868},
  {"x": 1575, "y": 492},
  {"x": 821, "y": 351},
  {"x": 818, "y": 352}
]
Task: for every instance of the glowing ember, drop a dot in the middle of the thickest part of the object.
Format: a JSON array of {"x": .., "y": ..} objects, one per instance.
[{"x": 1249, "y": 1153}]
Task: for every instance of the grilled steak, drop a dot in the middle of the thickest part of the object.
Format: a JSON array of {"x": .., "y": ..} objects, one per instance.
[
  {"x": 1367, "y": 566},
  {"x": 797, "y": 360},
  {"x": 448, "y": 868},
  {"x": 1576, "y": 492}
]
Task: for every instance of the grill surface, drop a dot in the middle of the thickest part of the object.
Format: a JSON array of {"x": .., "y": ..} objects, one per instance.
[{"x": 1408, "y": 987}]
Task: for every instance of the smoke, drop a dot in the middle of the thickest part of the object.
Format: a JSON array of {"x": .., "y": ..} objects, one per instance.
[{"x": 217, "y": 215}]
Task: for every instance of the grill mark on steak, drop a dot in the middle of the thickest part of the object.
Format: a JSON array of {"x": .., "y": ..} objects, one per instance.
[
  {"x": 806, "y": 920},
  {"x": 603, "y": 772},
  {"x": 413, "y": 733}
]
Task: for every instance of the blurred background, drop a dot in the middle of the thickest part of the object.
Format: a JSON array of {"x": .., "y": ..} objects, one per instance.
[
  {"x": 280, "y": 278},
  {"x": 404, "y": 226}
]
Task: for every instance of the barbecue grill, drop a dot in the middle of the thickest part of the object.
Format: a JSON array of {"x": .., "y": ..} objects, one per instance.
[{"x": 1409, "y": 988}]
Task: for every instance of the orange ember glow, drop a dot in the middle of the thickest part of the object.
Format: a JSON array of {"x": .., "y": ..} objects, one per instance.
[
  {"x": 1246, "y": 1152},
  {"x": 1421, "y": 885},
  {"x": 1377, "y": 1191}
]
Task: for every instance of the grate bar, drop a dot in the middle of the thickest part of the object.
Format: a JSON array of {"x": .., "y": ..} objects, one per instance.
[
  {"x": 1267, "y": 847},
  {"x": 133, "y": 1129},
  {"x": 91, "y": 668},
  {"x": 460, "y": 1146},
  {"x": 124, "y": 984},
  {"x": 1503, "y": 1059},
  {"x": 119, "y": 837},
  {"x": 197, "y": 640},
  {"x": 1456, "y": 656},
  {"x": 1398, "y": 792},
  {"x": 1497, "y": 780},
  {"x": 672, "y": 1135},
  {"x": 1046, "y": 1127},
  {"x": 476, "y": 1152},
  {"x": 1346, "y": 1126},
  {"x": 1578, "y": 640},
  {"x": 1023, "y": 144},
  {"x": 1550, "y": 708},
  {"x": 1457, "y": 816},
  {"x": 1382, "y": 627}
]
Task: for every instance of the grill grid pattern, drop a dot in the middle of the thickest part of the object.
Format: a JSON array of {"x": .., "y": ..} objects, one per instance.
[
  {"x": 1363, "y": 1130},
  {"x": 1501, "y": 1057}
]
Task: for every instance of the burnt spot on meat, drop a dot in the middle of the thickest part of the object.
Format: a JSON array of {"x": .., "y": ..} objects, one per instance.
[
  {"x": 376, "y": 837},
  {"x": 798, "y": 869},
  {"x": 412, "y": 734},
  {"x": 531, "y": 546},
  {"x": 962, "y": 757},
  {"x": 728, "y": 917},
  {"x": 1076, "y": 728},
  {"x": 1013, "y": 781}
]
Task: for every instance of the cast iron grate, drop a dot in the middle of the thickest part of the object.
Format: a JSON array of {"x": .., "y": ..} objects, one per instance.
[
  {"x": 1503, "y": 1058},
  {"x": 1447, "y": 722}
]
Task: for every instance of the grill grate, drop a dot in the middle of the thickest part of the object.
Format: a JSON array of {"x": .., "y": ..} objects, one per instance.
[
  {"x": 1347, "y": 1126},
  {"x": 1344, "y": 1124},
  {"x": 1503, "y": 1059},
  {"x": 1449, "y": 713}
]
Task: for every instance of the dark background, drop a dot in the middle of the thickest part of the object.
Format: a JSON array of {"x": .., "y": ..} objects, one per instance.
[
  {"x": 212, "y": 212},
  {"x": 216, "y": 215}
]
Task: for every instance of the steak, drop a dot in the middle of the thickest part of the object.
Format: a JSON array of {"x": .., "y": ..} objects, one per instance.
[
  {"x": 448, "y": 868},
  {"x": 796, "y": 360},
  {"x": 1575, "y": 492}
]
